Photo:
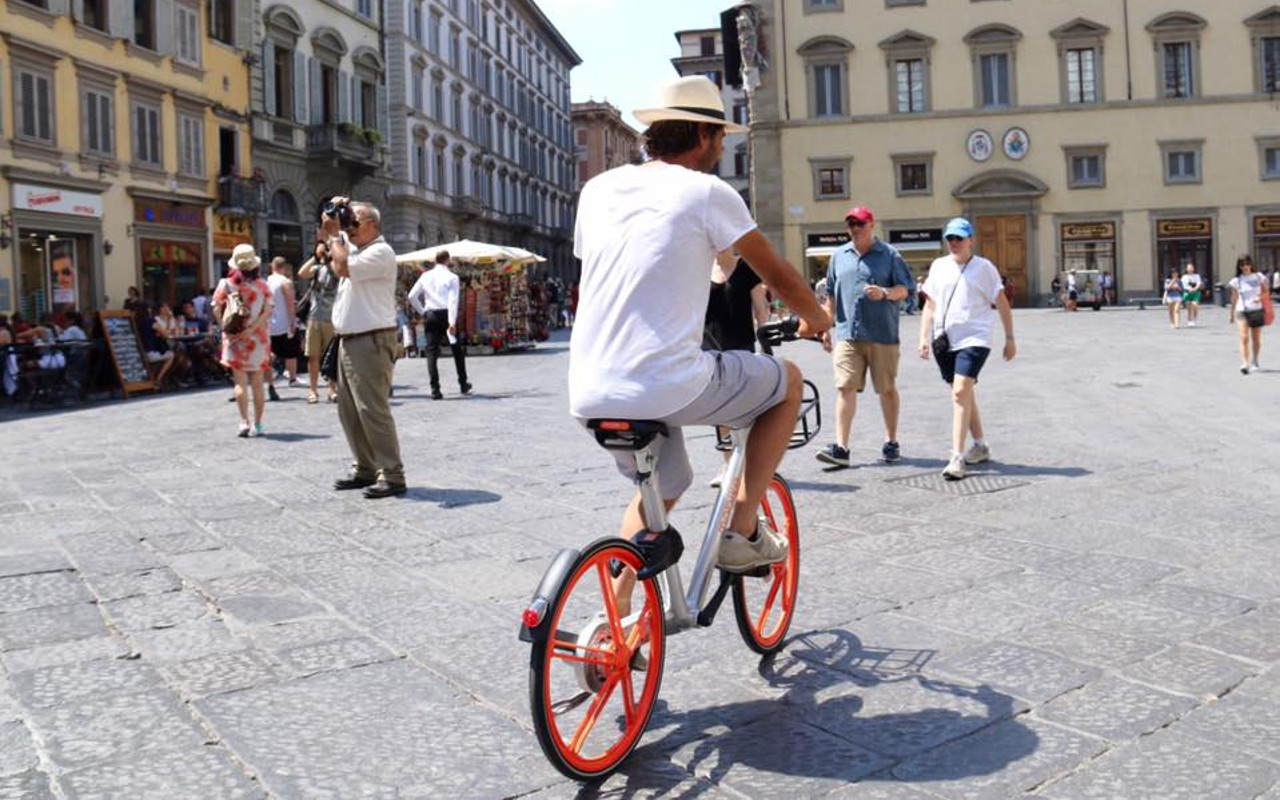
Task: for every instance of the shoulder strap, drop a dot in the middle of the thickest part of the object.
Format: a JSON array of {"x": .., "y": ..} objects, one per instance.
[{"x": 954, "y": 289}]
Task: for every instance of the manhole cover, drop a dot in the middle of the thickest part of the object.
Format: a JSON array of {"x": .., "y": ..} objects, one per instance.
[{"x": 975, "y": 483}]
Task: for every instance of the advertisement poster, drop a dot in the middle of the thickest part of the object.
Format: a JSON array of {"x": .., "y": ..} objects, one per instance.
[{"x": 62, "y": 271}]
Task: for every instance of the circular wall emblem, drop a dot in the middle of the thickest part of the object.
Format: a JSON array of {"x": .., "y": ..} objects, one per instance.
[
  {"x": 1016, "y": 143},
  {"x": 979, "y": 145}
]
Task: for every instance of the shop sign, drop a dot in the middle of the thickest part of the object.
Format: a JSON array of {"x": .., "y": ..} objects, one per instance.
[
  {"x": 826, "y": 239},
  {"x": 230, "y": 230},
  {"x": 1184, "y": 228},
  {"x": 163, "y": 212},
  {"x": 1267, "y": 225},
  {"x": 53, "y": 200},
  {"x": 917, "y": 237},
  {"x": 1077, "y": 231},
  {"x": 169, "y": 253}
]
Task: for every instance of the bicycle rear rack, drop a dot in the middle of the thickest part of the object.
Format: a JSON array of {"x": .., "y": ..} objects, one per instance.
[{"x": 808, "y": 422}]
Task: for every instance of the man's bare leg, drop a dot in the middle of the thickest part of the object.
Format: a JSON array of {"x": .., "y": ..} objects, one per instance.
[{"x": 765, "y": 448}]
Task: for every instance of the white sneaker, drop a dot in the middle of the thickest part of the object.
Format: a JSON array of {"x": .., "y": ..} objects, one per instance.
[
  {"x": 977, "y": 454},
  {"x": 1254, "y": 367},
  {"x": 954, "y": 470},
  {"x": 740, "y": 554}
]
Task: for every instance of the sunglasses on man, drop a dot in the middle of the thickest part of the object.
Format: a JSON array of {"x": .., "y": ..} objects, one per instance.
[
  {"x": 855, "y": 223},
  {"x": 954, "y": 238}
]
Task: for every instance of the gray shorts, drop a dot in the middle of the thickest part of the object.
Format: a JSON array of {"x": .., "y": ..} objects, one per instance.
[{"x": 743, "y": 386}]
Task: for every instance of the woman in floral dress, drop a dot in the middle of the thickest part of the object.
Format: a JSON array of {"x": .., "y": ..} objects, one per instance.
[{"x": 248, "y": 353}]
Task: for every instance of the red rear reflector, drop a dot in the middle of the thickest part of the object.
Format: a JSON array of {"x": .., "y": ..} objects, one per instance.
[
  {"x": 613, "y": 425},
  {"x": 530, "y": 618}
]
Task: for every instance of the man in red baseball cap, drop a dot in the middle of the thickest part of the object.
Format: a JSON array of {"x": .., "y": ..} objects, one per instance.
[{"x": 866, "y": 281}]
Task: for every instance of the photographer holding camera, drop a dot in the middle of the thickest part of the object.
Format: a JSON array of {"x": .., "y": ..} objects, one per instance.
[{"x": 364, "y": 319}]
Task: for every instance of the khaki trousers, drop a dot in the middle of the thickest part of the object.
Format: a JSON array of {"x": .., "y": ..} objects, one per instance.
[{"x": 365, "y": 364}]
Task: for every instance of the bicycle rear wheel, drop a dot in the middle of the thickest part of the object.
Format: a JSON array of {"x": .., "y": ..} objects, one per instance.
[
  {"x": 764, "y": 602},
  {"x": 594, "y": 681}
]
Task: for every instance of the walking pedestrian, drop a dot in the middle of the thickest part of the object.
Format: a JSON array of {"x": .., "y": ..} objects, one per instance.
[
  {"x": 319, "y": 332},
  {"x": 364, "y": 319},
  {"x": 736, "y": 306},
  {"x": 1073, "y": 294},
  {"x": 968, "y": 288},
  {"x": 1247, "y": 288},
  {"x": 1191, "y": 288},
  {"x": 1109, "y": 288},
  {"x": 1055, "y": 291},
  {"x": 435, "y": 297},
  {"x": 284, "y": 322},
  {"x": 246, "y": 353},
  {"x": 865, "y": 282},
  {"x": 1173, "y": 299}
]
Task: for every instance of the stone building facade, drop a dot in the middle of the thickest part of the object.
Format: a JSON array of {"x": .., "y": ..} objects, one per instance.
[
  {"x": 320, "y": 117},
  {"x": 1128, "y": 137},
  {"x": 602, "y": 140},
  {"x": 481, "y": 141},
  {"x": 702, "y": 53},
  {"x": 118, "y": 122}
]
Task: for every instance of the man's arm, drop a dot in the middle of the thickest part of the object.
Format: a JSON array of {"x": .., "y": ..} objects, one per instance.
[
  {"x": 1006, "y": 319},
  {"x": 416, "y": 293},
  {"x": 784, "y": 280},
  {"x": 902, "y": 282},
  {"x": 291, "y": 306},
  {"x": 451, "y": 302}
]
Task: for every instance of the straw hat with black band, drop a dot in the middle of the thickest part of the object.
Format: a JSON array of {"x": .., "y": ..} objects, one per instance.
[{"x": 690, "y": 99}]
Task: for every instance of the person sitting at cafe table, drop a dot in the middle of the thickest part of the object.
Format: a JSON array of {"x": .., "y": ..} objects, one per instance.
[
  {"x": 199, "y": 344},
  {"x": 155, "y": 341},
  {"x": 73, "y": 331}
]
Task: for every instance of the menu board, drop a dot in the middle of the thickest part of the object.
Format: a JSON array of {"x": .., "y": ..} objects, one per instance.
[{"x": 126, "y": 351}]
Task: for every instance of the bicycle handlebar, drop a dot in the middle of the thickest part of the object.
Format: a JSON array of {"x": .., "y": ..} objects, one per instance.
[{"x": 775, "y": 333}]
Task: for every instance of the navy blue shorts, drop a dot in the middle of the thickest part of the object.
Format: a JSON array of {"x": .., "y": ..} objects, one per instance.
[{"x": 966, "y": 361}]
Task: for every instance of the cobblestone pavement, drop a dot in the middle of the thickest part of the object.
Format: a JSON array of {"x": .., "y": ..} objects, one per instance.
[{"x": 188, "y": 615}]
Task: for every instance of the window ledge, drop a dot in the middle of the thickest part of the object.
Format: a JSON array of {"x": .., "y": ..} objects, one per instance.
[
  {"x": 30, "y": 11},
  {"x": 145, "y": 53},
  {"x": 84, "y": 31},
  {"x": 193, "y": 70},
  {"x": 147, "y": 172},
  {"x": 1074, "y": 186},
  {"x": 194, "y": 182},
  {"x": 1182, "y": 181},
  {"x": 104, "y": 165},
  {"x": 43, "y": 151},
  {"x": 915, "y": 193}
]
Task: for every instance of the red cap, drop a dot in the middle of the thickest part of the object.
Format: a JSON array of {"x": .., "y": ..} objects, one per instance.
[{"x": 860, "y": 213}]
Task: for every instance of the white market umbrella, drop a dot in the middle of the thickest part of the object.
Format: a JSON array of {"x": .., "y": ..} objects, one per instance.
[{"x": 472, "y": 252}]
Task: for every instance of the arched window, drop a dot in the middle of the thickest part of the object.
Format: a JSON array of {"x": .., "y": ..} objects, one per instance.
[{"x": 283, "y": 207}]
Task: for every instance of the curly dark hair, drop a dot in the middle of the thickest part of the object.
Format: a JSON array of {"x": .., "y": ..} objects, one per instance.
[{"x": 674, "y": 137}]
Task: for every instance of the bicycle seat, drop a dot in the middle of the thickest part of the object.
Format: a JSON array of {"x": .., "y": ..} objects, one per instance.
[{"x": 626, "y": 434}]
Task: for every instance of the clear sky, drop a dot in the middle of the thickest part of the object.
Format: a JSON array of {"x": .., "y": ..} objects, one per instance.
[{"x": 626, "y": 46}]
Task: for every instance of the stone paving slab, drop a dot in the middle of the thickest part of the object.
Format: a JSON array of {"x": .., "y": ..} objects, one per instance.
[{"x": 1082, "y": 635}]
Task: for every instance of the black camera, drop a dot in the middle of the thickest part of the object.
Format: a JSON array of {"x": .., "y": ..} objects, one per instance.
[{"x": 341, "y": 211}]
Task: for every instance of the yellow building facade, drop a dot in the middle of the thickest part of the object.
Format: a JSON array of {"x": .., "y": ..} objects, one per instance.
[
  {"x": 124, "y": 146},
  {"x": 1127, "y": 136}
]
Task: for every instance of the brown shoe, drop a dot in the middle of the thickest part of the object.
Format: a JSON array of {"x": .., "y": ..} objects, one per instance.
[
  {"x": 383, "y": 489},
  {"x": 352, "y": 482}
]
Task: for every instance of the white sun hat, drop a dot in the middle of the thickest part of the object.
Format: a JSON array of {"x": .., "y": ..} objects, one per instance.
[
  {"x": 244, "y": 257},
  {"x": 691, "y": 99}
]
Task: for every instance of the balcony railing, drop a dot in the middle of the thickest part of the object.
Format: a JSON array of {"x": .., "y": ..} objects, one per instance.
[
  {"x": 467, "y": 206},
  {"x": 345, "y": 142},
  {"x": 241, "y": 195},
  {"x": 522, "y": 222}
]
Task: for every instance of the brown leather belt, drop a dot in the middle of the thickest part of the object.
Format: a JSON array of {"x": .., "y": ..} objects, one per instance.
[{"x": 365, "y": 333}]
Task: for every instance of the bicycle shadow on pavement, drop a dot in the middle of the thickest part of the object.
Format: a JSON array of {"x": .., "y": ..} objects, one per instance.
[{"x": 819, "y": 727}]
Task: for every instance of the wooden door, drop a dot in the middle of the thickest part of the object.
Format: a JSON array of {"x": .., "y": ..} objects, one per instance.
[{"x": 1003, "y": 241}]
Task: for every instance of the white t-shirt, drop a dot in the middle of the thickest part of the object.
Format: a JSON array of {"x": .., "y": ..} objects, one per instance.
[
  {"x": 647, "y": 236},
  {"x": 970, "y": 316},
  {"x": 1191, "y": 282},
  {"x": 279, "y": 311},
  {"x": 1250, "y": 289},
  {"x": 366, "y": 301}
]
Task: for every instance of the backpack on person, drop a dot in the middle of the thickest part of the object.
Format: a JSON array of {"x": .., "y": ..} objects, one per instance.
[{"x": 235, "y": 317}]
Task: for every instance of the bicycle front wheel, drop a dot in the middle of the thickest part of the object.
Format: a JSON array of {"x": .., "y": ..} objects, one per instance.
[
  {"x": 764, "y": 602},
  {"x": 594, "y": 681}
]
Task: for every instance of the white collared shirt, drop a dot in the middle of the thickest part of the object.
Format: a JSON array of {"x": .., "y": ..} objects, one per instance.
[
  {"x": 366, "y": 299},
  {"x": 436, "y": 289}
]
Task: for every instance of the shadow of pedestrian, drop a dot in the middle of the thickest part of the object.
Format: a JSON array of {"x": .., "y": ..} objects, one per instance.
[
  {"x": 1028, "y": 470},
  {"x": 451, "y": 498},
  {"x": 294, "y": 437},
  {"x": 819, "y": 727},
  {"x": 828, "y": 488}
]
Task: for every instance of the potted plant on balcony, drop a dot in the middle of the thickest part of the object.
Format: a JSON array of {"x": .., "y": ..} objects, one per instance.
[
  {"x": 373, "y": 136},
  {"x": 350, "y": 129}
]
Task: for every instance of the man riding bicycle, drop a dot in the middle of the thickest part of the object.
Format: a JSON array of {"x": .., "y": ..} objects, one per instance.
[{"x": 647, "y": 236}]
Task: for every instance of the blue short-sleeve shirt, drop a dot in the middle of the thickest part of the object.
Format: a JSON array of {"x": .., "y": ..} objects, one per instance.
[{"x": 857, "y": 316}]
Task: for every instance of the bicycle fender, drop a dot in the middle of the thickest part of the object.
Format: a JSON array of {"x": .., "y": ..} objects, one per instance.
[{"x": 547, "y": 593}]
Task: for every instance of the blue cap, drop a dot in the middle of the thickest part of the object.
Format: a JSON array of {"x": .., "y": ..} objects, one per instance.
[{"x": 959, "y": 227}]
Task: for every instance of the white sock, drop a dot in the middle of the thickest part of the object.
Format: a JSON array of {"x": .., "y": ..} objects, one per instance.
[
  {"x": 979, "y": 442},
  {"x": 957, "y": 454}
]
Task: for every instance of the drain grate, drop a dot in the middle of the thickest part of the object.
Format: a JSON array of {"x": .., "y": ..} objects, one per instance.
[{"x": 975, "y": 483}]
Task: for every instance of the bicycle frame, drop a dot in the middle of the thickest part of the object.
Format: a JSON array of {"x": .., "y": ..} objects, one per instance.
[{"x": 681, "y": 610}]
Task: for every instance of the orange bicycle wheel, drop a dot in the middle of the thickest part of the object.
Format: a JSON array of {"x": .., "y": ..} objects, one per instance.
[
  {"x": 765, "y": 601},
  {"x": 594, "y": 680}
]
